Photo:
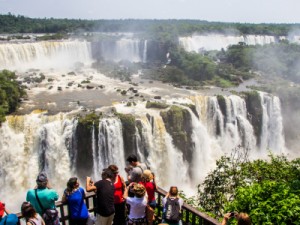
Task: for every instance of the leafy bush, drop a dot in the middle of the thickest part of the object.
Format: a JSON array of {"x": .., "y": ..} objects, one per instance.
[
  {"x": 10, "y": 93},
  {"x": 158, "y": 105},
  {"x": 267, "y": 190}
]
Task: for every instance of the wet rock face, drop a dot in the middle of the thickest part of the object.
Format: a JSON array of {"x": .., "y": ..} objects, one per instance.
[
  {"x": 84, "y": 160},
  {"x": 178, "y": 123},
  {"x": 128, "y": 129},
  {"x": 255, "y": 112}
]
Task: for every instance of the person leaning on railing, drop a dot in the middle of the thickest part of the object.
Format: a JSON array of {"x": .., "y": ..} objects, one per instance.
[
  {"x": 104, "y": 189},
  {"x": 74, "y": 196},
  {"x": 242, "y": 218}
]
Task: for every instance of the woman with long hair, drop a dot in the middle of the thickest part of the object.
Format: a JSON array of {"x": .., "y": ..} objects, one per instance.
[
  {"x": 119, "y": 201},
  {"x": 74, "y": 196},
  {"x": 31, "y": 216},
  {"x": 148, "y": 181}
]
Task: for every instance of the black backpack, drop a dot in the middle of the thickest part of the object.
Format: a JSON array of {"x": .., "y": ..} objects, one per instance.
[{"x": 172, "y": 211}]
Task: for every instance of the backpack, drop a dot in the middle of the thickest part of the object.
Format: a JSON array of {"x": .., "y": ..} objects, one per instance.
[
  {"x": 50, "y": 216},
  {"x": 172, "y": 211}
]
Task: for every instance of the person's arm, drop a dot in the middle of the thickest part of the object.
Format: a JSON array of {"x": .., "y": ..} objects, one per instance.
[
  {"x": 225, "y": 218},
  {"x": 89, "y": 186},
  {"x": 123, "y": 184},
  {"x": 64, "y": 197},
  {"x": 125, "y": 195}
]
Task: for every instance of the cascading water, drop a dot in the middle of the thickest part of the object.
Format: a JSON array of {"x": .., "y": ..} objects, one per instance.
[
  {"x": 122, "y": 49},
  {"x": 272, "y": 131},
  {"x": 30, "y": 144},
  {"x": 165, "y": 159},
  {"x": 34, "y": 142},
  {"x": 110, "y": 148},
  {"x": 197, "y": 43},
  {"x": 145, "y": 52},
  {"x": 44, "y": 55},
  {"x": 206, "y": 150}
]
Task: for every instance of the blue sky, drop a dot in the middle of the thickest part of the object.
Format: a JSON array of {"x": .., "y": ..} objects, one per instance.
[{"x": 254, "y": 11}]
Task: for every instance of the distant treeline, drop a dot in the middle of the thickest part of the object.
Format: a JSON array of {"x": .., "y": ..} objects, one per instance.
[{"x": 20, "y": 24}]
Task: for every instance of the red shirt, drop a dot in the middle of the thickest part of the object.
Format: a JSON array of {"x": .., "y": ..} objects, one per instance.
[
  {"x": 150, "y": 188},
  {"x": 118, "y": 194}
]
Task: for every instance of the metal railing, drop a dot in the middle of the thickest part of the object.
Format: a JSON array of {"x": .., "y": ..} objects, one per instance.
[{"x": 191, "y": 216}]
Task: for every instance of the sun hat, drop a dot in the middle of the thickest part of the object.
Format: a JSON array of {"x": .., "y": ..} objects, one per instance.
[{"x": 147, "y": 174}]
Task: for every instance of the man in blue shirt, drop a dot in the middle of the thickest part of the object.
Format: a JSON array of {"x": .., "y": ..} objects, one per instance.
[
  {"x": 9, "y": 219},
  {"x": 46, "y": 195}
]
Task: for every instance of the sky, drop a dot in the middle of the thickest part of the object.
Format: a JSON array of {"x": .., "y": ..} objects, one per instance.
[{"x": 254, "y": 11}]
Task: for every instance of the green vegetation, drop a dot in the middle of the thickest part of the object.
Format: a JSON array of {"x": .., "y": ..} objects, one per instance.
[
  {"x": 10, "y": 93},
  {"x": 267, "y": 190},
  {"x": 89, "y": 120},
  {"x": 157, "y": 105},
  {"x": 167, "y": 28},
  {"x": 177, "y": 121}
]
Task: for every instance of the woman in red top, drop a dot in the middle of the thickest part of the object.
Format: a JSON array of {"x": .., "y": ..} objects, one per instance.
[
  {"x": 120, "y": 213},
  {"x": 150, "y": 187}
]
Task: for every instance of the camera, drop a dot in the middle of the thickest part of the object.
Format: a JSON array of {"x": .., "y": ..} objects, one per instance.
[{"x": 232, "y": 214}]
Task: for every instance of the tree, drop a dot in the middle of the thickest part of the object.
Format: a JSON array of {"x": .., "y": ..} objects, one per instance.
[
  {"x": 268, "y": 190},
  {"x": 10, "y": 93}
]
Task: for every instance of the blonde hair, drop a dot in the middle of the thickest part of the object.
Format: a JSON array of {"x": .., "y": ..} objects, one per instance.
[{"x": 139, "y": 190}]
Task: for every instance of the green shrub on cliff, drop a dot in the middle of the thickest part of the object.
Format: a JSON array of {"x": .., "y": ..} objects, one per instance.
[
  {"x": 10, "y": 93},
  {"x": 178, "y": 124},
  {"x": 89, "y": 120},
  {"x": 157, "y": 105}
]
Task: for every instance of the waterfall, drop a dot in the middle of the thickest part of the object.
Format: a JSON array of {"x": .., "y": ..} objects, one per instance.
[
  {"x": 206, "y": 150},
  {"x": 272, "y": 131},
  {"x": 44, "y": 55},
  {"x": 198, "y": 43},
  {"x": 237, "y": 125},
  {"x": 145, "y": 52},
  {"x": 32, "y": 143},
  {"x": 165, "y": 159},
  {"x": 122, "y": 49},
  {"x": 230, "y": 130},
  {"x": 216, "y": 125},
  {"x": 110, "y": 148},
  {"x": 35, "y": 142}
]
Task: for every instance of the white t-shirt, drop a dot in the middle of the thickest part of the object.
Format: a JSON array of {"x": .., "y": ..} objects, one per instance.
[{"x": 137, "y": 207}]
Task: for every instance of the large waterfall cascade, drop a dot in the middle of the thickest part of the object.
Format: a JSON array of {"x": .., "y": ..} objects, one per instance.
[
  {"x": 208, "y": 42},
  {"x": 35, "y": 142},
  {"x": 44, "y": 55}
]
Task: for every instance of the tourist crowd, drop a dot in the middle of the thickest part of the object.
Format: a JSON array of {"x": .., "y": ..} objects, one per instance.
[{"x": 118, "y": 202}]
